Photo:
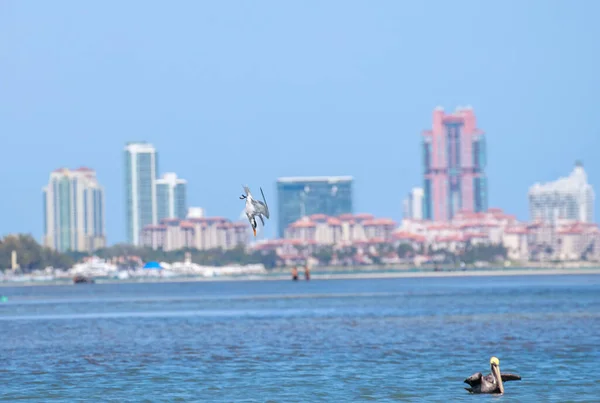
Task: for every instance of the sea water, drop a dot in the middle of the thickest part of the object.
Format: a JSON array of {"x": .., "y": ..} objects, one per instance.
[{"x": 405, "y": 340}]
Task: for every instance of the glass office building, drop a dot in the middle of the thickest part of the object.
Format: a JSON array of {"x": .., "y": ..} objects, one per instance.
[{"x": 303, "y": 196}]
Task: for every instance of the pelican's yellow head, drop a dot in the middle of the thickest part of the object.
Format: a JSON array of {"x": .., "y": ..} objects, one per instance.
[{"x": 494, "y": 361}]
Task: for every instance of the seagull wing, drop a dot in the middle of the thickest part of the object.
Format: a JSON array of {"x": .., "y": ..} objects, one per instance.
[{"x": 266, "y": 205}]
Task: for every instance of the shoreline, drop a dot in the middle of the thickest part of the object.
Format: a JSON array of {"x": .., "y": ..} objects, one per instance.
[{"x": 333, "y": 276}]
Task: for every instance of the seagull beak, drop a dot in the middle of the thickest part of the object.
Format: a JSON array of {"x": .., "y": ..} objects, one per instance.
[{"x": 254, "y": 230}]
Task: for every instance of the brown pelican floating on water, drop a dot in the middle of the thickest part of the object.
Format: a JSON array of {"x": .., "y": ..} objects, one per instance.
[
  {"x": 255, "y": 208},
  {"x": 491, "y": 383}
]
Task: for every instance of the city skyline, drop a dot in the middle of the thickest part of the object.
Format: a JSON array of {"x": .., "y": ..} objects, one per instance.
[
  {"x": 253, "y": 105},
  {"x": 575, "y": 184}
]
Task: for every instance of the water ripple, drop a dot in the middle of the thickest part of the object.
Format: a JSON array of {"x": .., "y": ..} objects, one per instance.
[{"x": 399, "y": 340}]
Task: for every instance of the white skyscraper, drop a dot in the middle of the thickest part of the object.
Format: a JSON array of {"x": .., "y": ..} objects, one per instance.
[
  {"x": 570, "y": 198},
  {"x": 413, "y": 204},
  {"x": 140, "y": 188},
  {"x": 171, "y": 196},
  {"x": 74, "y": 211}
]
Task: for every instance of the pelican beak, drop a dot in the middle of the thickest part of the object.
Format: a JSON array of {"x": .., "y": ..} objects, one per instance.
[
  {"x": 495, "y": 364},
  {"x": 254, "y": 230}
]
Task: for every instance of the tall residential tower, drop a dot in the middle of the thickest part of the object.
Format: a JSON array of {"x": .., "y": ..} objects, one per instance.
[
  {"x": 569, "y": 198},
  {"x": 74, "y": 211},
  {"x": 171, "y": 197},
  {"x": 140, "y": 188},
  {"x": 454, "y": 160}
]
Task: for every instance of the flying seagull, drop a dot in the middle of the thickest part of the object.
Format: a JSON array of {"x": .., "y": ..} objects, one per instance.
[
  {"x": 491, "y": 383},
  {"x": 255, "y": 208}
]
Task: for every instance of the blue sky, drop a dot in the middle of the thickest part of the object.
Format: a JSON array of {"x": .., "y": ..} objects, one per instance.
[{"x": 234, "y": 92}]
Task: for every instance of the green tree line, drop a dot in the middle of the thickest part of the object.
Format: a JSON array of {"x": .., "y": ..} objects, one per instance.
[{"x": 31, "y": 255}]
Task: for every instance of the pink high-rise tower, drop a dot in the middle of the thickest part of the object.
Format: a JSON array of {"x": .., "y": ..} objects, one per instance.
[{"x": 454, "y": 161}]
